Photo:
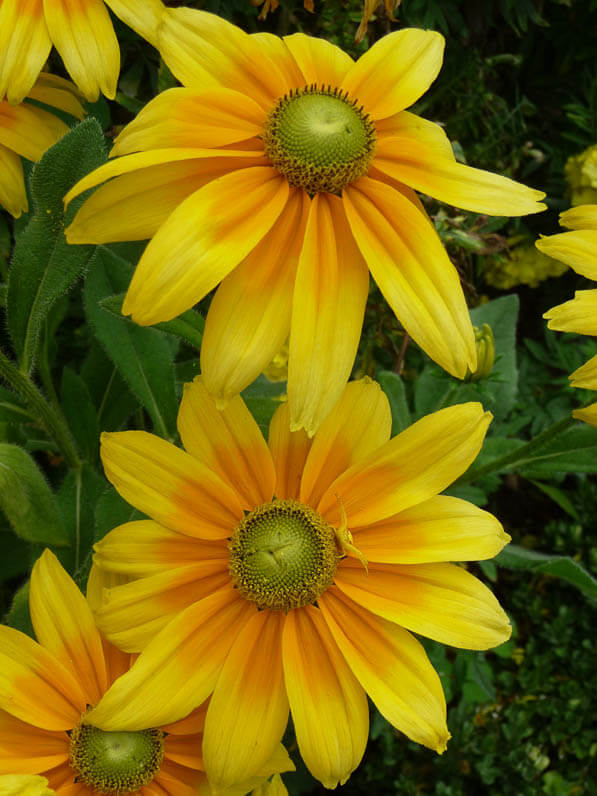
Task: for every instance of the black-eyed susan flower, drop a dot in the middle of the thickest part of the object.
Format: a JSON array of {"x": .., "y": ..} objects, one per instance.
[
  {"x": 47, "y": 688},
  {"x": 27, "y": 131},
  {"x": 81, "y": 31},
  {"x": 578, "y": 249},
  {"x": 287, "y": 575},
  {"x": 284, "y": 170}
]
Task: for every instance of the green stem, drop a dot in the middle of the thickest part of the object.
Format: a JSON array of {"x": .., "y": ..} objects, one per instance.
[
  {"x": 518, "y": 455},
  {"x": 53, "y": 422}
]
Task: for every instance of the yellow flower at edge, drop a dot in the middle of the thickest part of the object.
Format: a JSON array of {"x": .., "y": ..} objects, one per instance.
[
  {"x": 581, "y": 175},
  {"x": 24, "y": 785},
  {"x": 46, "y": 689},
  {"x": 81, "y": 31},
  {"x": 28, "y": 131},
  {"x": 284, "y": 171},
  {"x": 578, "y": 249},
  {"x": 524, "y": 266},
  {"x": 286, "y": 576}
]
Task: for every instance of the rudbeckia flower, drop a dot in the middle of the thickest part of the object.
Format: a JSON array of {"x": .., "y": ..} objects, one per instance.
[
  {"x": 82, "y": 33},
  {"x": 27, "y": 131},
  {"x": 284, "y": 170},
  {"x": 46, "y": 689},
  {"x": 578, "y": 249},
  {"x": 288, "y": 575}
]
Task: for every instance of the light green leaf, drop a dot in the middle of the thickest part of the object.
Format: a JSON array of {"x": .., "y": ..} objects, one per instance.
[
  {"x": 564, "y": 567},
  {"x": 393, "y": 386}
]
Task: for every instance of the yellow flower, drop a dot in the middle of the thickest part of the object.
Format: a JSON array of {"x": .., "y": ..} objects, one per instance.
[
  {"x": 578, "y": 249},
  {"x": 27, "y": 131},
  {"x": 581, "y": 174},
  {"x": 282, "y": 171},
  {"x": 524, "y": 266},
  {"x": 46, "y": 689},
  {"x": 24, "y": 785},
  {"x": 82, "y": 33},
  {"x": 287, "y": 576}
]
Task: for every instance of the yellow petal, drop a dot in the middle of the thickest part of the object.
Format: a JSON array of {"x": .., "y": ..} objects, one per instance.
[
  {"x": 329, "y": 707},
  {"x": 24, "y": 47},
  {"x": 35, "y": 686},
  {"x": 413, "y": 271},
  {"x": 169, "y": 485},
  {"x": 64, "y": 625},
  {"x": 26, "y": 750},
  {"x": 182, "y": 117},
  {"x": 582, "y": 217},
  {"x": 228, "y": 442},
  {"x": 410, "y": 126},
  {"x": 278, "y": 56},
  {"x": 132, "y": 614},
  {"x": 141, "y": 548},
  {"x": 441, "y": 601},
  {"x": 289, "y": 452},
  {"x": 134, "y": 206},
  {"x": 29, "y": 131},
  {"x": 275, "y": 787},
  {"x": 24, "y": 785},
  {"x": 588, "y": 414},
  {"x": 142, "y": 17},
  {"x": 328, "y": 307},
  {"x": 178, "y": 669},
  {"x": 202, "y": 241},
  {"x": 578, "y": 249},
  {"x": 412, "y": 467},
  {"x": 83, "y": 35},
  {"x": 396, "y": 71},
  {"x": 586, "y": 375},
  {"x": 421, "y": 165},
  {"x": 248, "y": 711},
  {"x": 320, "y": 62},
  {"x": 577, "y": 315},
  {"x": 392, "y": 667},
  {"x": 204, "y": 51},
  {"x": 439, "y": 529},
  {"x": 359, "y": 423},
  {"x": 13, "y": 196},
  {"x": 249, "y": 317},
  {"x": 59, "y": 93}
]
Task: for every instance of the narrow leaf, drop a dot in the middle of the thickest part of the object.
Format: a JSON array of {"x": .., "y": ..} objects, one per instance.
[
  {"x": 393, "y": 386},
  {"x": 564, "y": 567}
]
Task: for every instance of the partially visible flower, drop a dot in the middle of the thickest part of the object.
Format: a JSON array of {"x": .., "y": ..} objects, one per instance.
[
  {"x": 24, "y": 785},
  {"x": 81, "y": 31},
  {"x": 286, "y": 576},
  {"x": 524, "y": 266},
  {"x": 284, "y": 171},
  {"x": 277, "y": 370},
  {"x": 581, "y": 173},
  {"x": 27, "y": 131},
  {"x": 578, "y": 249},
  {"x": 47, "y": 688},
  {"x": 485, "y": 343}
]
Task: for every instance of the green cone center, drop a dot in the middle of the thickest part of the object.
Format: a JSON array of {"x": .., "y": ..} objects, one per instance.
[
  {"x": 319, "y": 139},
  {"x": 115, "y": 762},
  {"x": 283, "y": 555}
]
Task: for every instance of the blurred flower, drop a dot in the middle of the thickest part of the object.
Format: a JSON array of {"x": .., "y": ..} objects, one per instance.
[
  {"x": 236, "y": 179},
  {"x": 524, "y": 266},
  {"x": 27, "y": 131},
  {"x": 288, "y": 576},
  {"x": 46, "y": 689},
  {"x": 578, "y": 249},
  {"x": 82, "y": 33},
  {"x": 485, "y": 353},
  {"x": 277, "y": 370},
  {"x": 581, "y": 173}
]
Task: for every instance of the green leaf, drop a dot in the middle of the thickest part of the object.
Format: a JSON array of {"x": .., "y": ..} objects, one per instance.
[
  {"x": 112, "y": 398},
  {"x": 18, "y": 616},
  {"x": 27, "y": 500},
  {"x": 112, "y": 510},
  {"x": 15, "y": 555},
  {"x": 189, "y": 326},
  {"x": 564, "y": 567},
  {"x": 558, "y": 497},
  {"x": 44, "y": 265},
  {"x": 393, "y": 386},
  {"x": 77, "y": 497},
  {"x": 80, "y": 414},
  {"x": 144, "y": 356},
  {"x": 11, "y": 408},
  {"x": 573, "y": 450}
]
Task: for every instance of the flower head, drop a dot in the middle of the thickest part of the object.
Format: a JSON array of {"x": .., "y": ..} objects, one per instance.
[
  {"x": 27, "y": 131},
  {"x": 82, "y": 33},
  {"x": 47, "y": 688},
  {"x": 288, "y": 574},
  {"x": 578, "y": 249},
  {"x": 284, "y": 171}
]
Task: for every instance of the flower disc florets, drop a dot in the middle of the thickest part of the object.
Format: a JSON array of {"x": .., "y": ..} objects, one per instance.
[
  {"x": 115, "y": 763},
  {"x": 283, "y": 555},
  {"x": 319, "y": 139}
]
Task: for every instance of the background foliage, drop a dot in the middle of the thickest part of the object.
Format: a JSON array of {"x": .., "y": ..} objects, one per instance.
[{"x": 517, "y": 95}]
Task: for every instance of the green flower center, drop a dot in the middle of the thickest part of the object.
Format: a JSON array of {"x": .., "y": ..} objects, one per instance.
[
  {"x": 283, "y": 555},
  {"x": 115, "y": 763},
  {"x": 319, "y": 139}
]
